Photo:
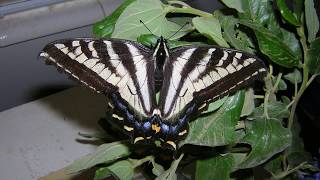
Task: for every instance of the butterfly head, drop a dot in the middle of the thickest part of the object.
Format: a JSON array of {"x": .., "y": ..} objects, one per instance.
[
  {"x": 162, "y": 40},
  {"x": 161, "y": 45},
  {"x": 161, "y": 53}
]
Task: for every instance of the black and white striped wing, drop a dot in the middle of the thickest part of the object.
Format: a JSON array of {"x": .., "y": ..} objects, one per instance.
[
  {"x": 202, "y": 74},
  {"x": 108, "y": 66}
]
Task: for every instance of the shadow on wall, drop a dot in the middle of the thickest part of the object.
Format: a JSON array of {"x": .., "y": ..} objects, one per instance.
[
  {"x": 46, "y": 90},
  {"x": 79, "y": 105}
]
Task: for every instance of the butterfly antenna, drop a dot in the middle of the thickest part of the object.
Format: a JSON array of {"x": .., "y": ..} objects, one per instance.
[
  {"x": 179, "y": 30},
  {"x": 145, "y": 26}
]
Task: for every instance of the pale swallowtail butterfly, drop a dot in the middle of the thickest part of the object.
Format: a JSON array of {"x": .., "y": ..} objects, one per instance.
[{"x": 186, "y": 79}]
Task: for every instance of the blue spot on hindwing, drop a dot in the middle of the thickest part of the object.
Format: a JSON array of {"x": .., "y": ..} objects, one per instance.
[
  {"x": 164, "y": 128},
  {"x": 147, "y": 125}
]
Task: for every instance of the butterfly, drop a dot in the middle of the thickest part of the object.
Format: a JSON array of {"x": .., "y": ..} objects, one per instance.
[{"x": 155, "y": 91}]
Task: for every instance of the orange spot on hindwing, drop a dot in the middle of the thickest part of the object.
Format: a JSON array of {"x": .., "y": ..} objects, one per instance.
[{"x": 156, "y": 127}]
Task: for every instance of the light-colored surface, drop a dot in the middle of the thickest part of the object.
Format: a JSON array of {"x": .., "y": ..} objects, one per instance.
[
  {"x": 46, "y": 20},
  {"x": 12, "y": 6},
  {"x": 41, "y": 136},
  {"x": 25, "y": 78}
]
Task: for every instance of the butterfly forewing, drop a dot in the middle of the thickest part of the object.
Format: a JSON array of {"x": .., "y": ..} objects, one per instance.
[
  {"x": 108, "y": 66},
  {"x": 202, "y": 74}
]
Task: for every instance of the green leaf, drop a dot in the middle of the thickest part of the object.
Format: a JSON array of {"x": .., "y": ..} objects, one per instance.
[
  {"x": 292, "y": 42},
  {"x": 232, "y": 34},
  {"x": 274, "y": 165},
  {"x": 294, "y": 77},
  {"x": 148, "y": 40},
  {"x": 298, "y": 7},
  {"x": 210, "y": 27},
  {"x": 281, "y": 86},
  {"x": 157, "y": 168},
  {"x": 235, "y": 4},
  {"x": 272, "y": 46},
  {"x": 266, "y": 137},
  {"x": 261, "y": 13},
  {"x": 215, "y": 105},
  {"x": 219, "y": 167},
  {"x": 218, "y": 128},
  {"x": 258, "y": 11},
  {"x": 105, "y": 27},
  {"x": 238, "y": 158},
  {"x": 276, "y": 50},
  {"x": 311, "y": 168},
  {"x": 296, "y": 153},
  {"x": 248, "y": 105},
  {"x": 312, "y": 20},
  {"x": 182, "y": 21},
  {"x": 229, "y": 33},
  {"x": 153, "y": 14},
  {"x": 102, "y": 173},
  {"x": 174, "y": 43},
  {"x": 170, "y": 174},
  {"x": 105, "y": 153},
  {"x": 313, "y": 58},
  {"x": 287, "y": 14},
  {"x": 276, "y": 110},
  {"x": 121, "y": 169},
  {"x": 285, "y": 100}
]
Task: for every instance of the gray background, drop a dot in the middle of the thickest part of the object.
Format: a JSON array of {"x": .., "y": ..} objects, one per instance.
[{"x": 23, "y": 33}]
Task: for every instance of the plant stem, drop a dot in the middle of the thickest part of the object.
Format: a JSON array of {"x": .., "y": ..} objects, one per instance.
[
  {"x": 258, "y": 96},
  {"x": 265, "y": 104},
  {"x": 141, "y": 161},
  {"x": 295, "y": 88},
  {"x": 179, "y": 2},
  {"x": 187, "y": 10},
  {"x": 268, "y": 91},
  {"x": 304, "y": 85},
  {"x": 290, "y": 104},
  {"x": 276, "y": 84},
  {"x": 298, "y": 96},
  {"x": 311, "y": 79},
  {"x": 288, "y": 172},
  {"x": 271, "y": 91}
]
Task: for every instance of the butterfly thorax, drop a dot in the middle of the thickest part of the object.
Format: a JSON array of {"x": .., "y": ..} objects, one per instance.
[{"x": 160, "y": 56}]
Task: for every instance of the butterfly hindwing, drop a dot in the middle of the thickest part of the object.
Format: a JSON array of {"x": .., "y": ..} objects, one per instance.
[
  {"x": 108, "y": 66},
  {"x": 202, "y": 74}
]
